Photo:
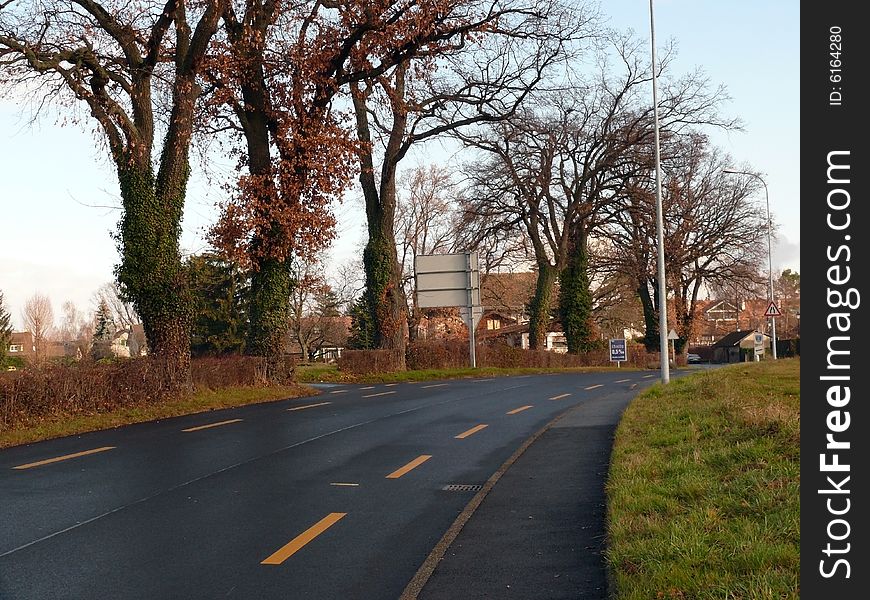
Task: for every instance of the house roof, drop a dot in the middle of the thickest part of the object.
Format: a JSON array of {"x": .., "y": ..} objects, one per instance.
[{"x": 734, "y": 338}]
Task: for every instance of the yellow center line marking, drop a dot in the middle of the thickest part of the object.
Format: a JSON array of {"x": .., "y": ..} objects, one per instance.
[
  {"x": 622, "y": 381},
  {"x": 379, "y": 394},
  {"x": 471, "y": 431},
  {"x": 308, "y": 406},
  {"x": 520, "y": 409},
  {"x": 560, "y": 396},
  {"x": 433, "y": 385},
  {"x": 368, "y": 387},
  {"x": 296, "y": 544},
  {"x": 345, "y": 484},
  {"x": 411, "y": 465},
  {"x": 338, "y": 391},
  {"x": 647, "y": 376},
  {"x": 592, "y": 387},
  {"x": 65, "y": 457},
  {"x": 210, "y": 425}
]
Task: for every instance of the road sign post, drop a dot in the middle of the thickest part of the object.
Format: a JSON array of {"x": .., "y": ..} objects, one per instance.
[
  {"x": 444, "y": 280},
  {"x": 672, "y": 339},
  {"x": 618, "y": 352}
]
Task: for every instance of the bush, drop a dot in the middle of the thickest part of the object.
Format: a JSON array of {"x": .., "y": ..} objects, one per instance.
[
  {"x": 371, "y": 361},
  {"x": 55, "y": 389}
]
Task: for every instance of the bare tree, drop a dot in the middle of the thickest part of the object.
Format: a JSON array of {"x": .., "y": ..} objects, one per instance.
[
  {"x": 557, "y": 170},
  {"x": 38, "y": 318},
  {"x": 316, "y": 306},
  {"x": 481, "y": 75},
  {"x": 425, "y": 224},
  {"x": 713, "y": 231}
]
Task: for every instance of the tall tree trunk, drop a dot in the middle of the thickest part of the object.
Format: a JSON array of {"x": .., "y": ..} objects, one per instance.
[
  {"x": 575, "y": 297},
  {"x": 151, "y": 272},
  {"x": 541, "y": 305},
  {"x": 384, "y": 294},
  {"x": 272, "y": 281}
]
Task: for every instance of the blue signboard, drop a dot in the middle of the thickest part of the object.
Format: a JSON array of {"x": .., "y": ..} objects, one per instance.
[{"x": 617, "y": 351}]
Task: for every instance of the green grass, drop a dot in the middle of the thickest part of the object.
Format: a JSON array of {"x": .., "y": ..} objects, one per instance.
[
  {"x": 703, "y": 492},
  {"x": 65, "y": 424},
  {"x": 319, "y": 373}
]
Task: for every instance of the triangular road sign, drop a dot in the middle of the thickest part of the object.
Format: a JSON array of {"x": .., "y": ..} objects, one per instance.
[{"x": 772, "y": 311}]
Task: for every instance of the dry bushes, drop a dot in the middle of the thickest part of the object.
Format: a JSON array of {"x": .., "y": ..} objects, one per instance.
[
  {"x": 371, "y": 361},
  {"x": 55, "y": 389}
]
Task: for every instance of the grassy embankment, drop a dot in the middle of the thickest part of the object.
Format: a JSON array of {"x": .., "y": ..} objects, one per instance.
[{"x": 703, "y": 492}]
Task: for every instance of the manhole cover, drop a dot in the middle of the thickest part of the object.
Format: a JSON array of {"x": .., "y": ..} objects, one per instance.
[{"x": 463, "y": 487}]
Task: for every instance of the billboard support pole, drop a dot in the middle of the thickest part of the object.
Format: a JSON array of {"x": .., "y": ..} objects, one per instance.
[{"x": 471, "y": 341}]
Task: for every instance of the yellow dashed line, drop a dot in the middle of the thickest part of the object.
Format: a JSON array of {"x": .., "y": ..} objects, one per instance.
[
  {"x": 64, "y": 457},
  {"x": 309, "y": 406},
  {"x": 210, "y": 425},
  {"x": 411, "y": 465},
  {"x": 303, "y": 538},
  {"x": 560, "y": 396},
  {"x": 518, "y": 410},
  {"x": 378, "y": 394},
  {"x": 471, "y": 431}
]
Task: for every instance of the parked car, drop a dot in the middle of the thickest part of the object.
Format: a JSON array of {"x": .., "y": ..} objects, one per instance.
[{"x": 693, "y": 358}]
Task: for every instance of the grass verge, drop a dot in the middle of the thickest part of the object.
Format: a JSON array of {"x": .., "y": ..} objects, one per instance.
[
  {"x": 65, "y": 424},
  {"x": 330, "y": 374},
  {"x": 703, "y": 491}
]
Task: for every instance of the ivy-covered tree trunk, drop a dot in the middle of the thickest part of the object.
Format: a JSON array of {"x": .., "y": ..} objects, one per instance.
[
  {"x": 151, "y": 273},
  {"x": 575, "y": 297},
  {"x": 271, "y": 285},
  {"x": 541, "y": 305},
  {"x": 384, "y": 294}
]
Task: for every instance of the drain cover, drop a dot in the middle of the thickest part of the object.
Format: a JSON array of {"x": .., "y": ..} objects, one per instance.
[{"x": 463, "y": 487}]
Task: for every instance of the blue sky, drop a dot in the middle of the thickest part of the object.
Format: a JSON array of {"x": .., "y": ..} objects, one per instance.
[{"x": 56, "y": 183}]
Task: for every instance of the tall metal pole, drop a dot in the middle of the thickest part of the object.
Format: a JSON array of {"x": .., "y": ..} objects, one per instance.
[
  {"x": 769, "y": 255},
  {"x": 769, "y": 270},
  {"x": 663, "y": 290}
]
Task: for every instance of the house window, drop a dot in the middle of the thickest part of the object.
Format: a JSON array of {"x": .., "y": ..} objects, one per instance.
[
  {"x": 16, "y": 348},
  {"x": 493, "y": 324}
]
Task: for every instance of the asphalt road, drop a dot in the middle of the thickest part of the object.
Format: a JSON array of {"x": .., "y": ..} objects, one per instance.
[{"x": 335, "y": 496}]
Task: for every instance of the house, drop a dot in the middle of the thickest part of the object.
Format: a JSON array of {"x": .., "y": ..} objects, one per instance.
[
  {"x": 718, "y": 318},
  {"x": 129, "y": 342},
  {"x": 21, "y": 345},
  {"x": 739, "y": 346}
]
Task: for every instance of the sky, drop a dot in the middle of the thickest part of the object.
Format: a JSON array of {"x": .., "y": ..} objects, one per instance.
[{"x": 59, "y": 193}]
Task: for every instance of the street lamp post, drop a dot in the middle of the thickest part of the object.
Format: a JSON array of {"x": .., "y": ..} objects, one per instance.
[
  {"x": 769, "y": 254},
  {"x": 663, "y": 297}
]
